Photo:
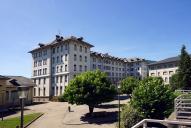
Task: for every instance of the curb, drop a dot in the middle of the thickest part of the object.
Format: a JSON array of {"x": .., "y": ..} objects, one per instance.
[{"x": 33, "y": 120}]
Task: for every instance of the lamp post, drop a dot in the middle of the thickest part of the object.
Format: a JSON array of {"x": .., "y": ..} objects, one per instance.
[
  {"x": 23, "y": 92},
  {"x": 118, "y": 90}
]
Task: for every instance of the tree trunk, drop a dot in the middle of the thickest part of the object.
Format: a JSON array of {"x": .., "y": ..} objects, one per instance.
[{"x": 91, "y": 109}]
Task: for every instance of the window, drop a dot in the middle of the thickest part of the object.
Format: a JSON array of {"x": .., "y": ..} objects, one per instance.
[
  {"x": 53, "y": 50},
  {"x": 66, "y": 57},
  {"x": 85, "y": 68},
  {"x": 66, "y": 68},
  {"x": 85, "y": 58},
  {"x": 152, "y": 74},
  {"x": 170, "y": 72},
  {"x": 61, "y": 48},
  {"x": 44, "y": 91},
  {"x": 75, "y": 47},
  {"x": 66, "y": 78},
  {"x": 166, "y": 79},
  {"x": 94, "y": 66},
  {"x": 158, "y": 73},
  {"x": 60, "y": 68},
  {"x": 45, "y": 62},
  {"x": 40, "y": 63},
  {"x": 85, "y": 49},
  {"x": 75, "y": 58},
  {"x": 45, "y": 52},
  {"x": 60, "y": 79},
  {"x": 40, "y": 71},
  {"x": 40, "y": 54},
  {"x": 35, "y": 63},
  {"x": 60, "y": 90},
  {"x": 164, "y": 73},
  {"x": 80, "y": 67},
  {"x": 57, "y": 49},
  {"x": 39, "y": 81},
  {"x": 94, "y": 59},
  {"x": 74, "y": 67},
  {"x": 57, "y": 59},
  {"x": 44, "y": 81},
  {"x": 57, "y": 69},
  {"x": 34, "y": 81},
  {"x": 57, "y": 90},
  {"x": 80, "y": 58},
  {"x": 66, "y": 47},
  {"x": 45, "y": 71},
  {"x": 34, "y": 91},
  {"x": 80, "y": 48},
  {"x": 61, "y": 58}
]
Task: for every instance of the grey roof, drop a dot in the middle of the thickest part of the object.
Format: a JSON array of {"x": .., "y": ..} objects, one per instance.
[
  {"x": 106, "y": 55},
  {"x": 167, "y": 60},
  {"x": 20, "y": 80},
  {"x": 60, "y": 39}
]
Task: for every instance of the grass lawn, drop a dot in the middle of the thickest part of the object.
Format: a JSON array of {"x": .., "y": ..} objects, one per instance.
[{"x": 13, "y": 122}]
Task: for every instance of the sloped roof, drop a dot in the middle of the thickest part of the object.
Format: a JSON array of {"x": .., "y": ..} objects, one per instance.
[
  {"x": 167, "y": 60},
  {"x": 60, "y": 39},
  {"x": 19, "y": 80}
]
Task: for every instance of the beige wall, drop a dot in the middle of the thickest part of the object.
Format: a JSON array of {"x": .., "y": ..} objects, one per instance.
[
  {"x": 165, "y": 70},
  {"x": 2, "y": 92}
]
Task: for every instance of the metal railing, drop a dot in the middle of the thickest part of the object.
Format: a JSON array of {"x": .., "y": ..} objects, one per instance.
[
  {"x": 182, "y": 108},
  {"x": 167, "y": 123}
]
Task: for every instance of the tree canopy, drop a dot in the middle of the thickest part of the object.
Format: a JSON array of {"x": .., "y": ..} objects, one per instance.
[
  {"x": 90, "y": 88},
  {"x": 184, "y": 69},
  {"x": 152, "y": 98},
  {"x": 128, "y": 84}
]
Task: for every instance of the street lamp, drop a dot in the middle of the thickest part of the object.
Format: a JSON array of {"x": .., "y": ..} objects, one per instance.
[
  {"x": 118, "y": 90},
  {"x": 23, "y": 93}
]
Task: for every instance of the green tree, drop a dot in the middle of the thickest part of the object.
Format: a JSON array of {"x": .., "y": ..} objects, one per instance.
[
  {"x": 174, "y": 82},
  {"x": 184, "y": 69},
  {"x": 90, "y": 88},
  {"x": 152, "y": 98},
  {"x": 128, "y": 84}
]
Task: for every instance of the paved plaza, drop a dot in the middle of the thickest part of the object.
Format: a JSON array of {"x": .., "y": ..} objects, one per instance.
[{"x": 56, "y": 115}]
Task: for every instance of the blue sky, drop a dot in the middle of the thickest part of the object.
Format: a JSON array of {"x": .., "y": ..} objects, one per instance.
[{"x": 151, "y": 29}]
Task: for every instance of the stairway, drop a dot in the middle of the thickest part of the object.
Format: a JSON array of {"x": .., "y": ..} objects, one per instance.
[{"x": 182, "y": 106}]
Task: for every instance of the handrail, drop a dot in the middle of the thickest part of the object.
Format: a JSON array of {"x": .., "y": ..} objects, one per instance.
[{"x": 164, "y": 122}]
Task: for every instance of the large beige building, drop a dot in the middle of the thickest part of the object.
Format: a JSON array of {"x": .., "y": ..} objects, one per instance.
[
  {"x": 56, "y": 63},
  {"x": 164, "y": 68}
]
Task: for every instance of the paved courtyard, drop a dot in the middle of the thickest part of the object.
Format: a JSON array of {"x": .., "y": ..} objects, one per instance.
[{"x": 56, "y": 115}]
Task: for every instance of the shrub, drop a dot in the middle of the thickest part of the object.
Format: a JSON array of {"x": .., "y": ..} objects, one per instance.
[{"x": 129, "y": 116}]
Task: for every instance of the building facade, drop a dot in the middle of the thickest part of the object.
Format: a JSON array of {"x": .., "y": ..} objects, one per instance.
[
  {"x": 56, "y": 63},
  {"x": 164, "y": 68}
]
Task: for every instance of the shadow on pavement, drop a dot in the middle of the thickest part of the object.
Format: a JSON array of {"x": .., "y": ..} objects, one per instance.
[{"x": 100, "y": 118}]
